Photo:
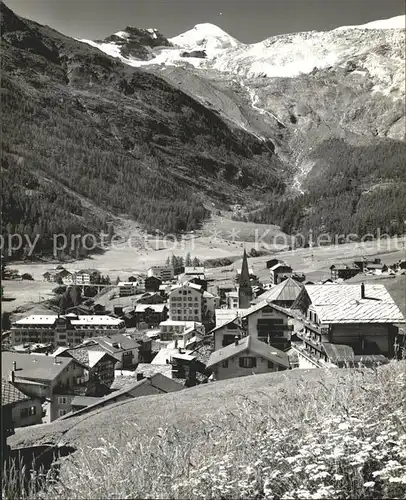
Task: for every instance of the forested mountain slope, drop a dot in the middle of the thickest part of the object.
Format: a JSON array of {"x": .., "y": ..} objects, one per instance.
[{"x": 124, "y": 138}]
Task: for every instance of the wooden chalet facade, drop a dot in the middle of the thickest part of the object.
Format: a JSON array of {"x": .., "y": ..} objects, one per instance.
[{"x": 359, "y": 317}]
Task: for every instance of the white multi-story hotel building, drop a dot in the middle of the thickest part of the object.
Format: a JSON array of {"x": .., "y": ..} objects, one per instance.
[
  {"x": 185, "y": 303},
  {"x": 68, "y": 330}
]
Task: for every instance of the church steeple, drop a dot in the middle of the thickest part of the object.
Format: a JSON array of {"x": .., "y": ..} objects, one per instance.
[{"x": 244, "y": 288}]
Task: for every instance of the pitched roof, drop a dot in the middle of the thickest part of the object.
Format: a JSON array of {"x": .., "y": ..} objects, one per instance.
[
  {"x": 232, "y": 314},
  {"x": 123, "y": 342},
  {"x": 249, "y": 344},
  {"x": 84, "y": 400},
  {"x": 155, "y": 307},
  {"x": 341, "y": 355},
  {"x": 158, "y": 381},
  {"x": 374, "y": 265},
  {"x": 88, "y": 357},
  {"x": 286, "y": 291},
  {"x": 343, "y": 304},
  {"x": 278, "y": 265},
  {"x": 10, "y": 394},
  {"x": 33, "y": 366},
  {"x": 185, "y": 285}
]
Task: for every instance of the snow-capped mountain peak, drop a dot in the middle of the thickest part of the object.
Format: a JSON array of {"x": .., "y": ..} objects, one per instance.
[
  {"x": 375, "y": 49},
  {"x": 205, "y": 36},
  {"x": 398, "y": 22}
]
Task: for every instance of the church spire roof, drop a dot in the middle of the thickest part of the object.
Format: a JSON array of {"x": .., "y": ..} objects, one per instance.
[{"x": 244, "y": 289}]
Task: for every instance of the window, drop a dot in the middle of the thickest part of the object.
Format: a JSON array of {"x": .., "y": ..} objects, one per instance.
[
  {"x": 270, "y": 365},
  {"x": 24, "y": 413},
  {"x": 225, "y": 363},
  {"x": 227, "y": 340},
  {"x": 62, "y": 412},
  {"x": 248, "y": 362},
  {"x": 61, "y": 400},
  {"x": 32, "y": 411}
]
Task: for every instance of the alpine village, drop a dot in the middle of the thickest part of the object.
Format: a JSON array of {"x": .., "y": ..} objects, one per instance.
[{"x": 224, "y": 360}]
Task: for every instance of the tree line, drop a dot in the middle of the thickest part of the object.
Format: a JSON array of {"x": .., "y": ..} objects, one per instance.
[{"x": 351, "y": 190}]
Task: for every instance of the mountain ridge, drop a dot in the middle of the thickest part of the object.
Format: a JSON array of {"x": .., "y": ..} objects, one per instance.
[{"x": 125, "y": 138}]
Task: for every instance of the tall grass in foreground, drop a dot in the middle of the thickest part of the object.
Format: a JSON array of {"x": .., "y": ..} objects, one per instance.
[
  {"x": 22, "y": 479},
  {"x": 334, "y": 440}
]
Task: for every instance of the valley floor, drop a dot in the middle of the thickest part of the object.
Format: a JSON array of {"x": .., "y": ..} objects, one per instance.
[{"x": 135, "y": 254}]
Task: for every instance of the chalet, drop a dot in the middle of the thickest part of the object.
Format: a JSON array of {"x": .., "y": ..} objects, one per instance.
[
  {"x": 66, "y": 276},
  {"x": 283, "y": 295},
  {"x": 144, "y": 346},
  {"x": 144, "y": 386},
  {"x": 344, "y": 271},
  {"x": 187, "y": 367},
  {"x": 361, "y": 317},
  {"x": 279, "y": 272},
  {"x": 151, "y": 314},
  {"x": 51, "y": 379},
  {"x": 25, "y": 410},
  {"x": 121, "y": 347},
  {"x": 99, "y": 365},
  {"x": 59, "y": 274},
  {"x": 152, "y": 283},
  {"x": 264, "y": 321},
  {"x": 66, "y": 330},
  {"x": 246, "y": 356}
]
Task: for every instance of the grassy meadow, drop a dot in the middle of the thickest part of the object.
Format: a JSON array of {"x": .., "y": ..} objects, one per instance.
[{"x": 298, "y": 434}]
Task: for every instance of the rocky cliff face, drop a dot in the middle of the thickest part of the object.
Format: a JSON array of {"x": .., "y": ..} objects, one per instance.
[{"x": 135, "y": 43}]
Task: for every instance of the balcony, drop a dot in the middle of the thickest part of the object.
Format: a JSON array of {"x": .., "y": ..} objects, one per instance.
[{"x": 306, "y": 337}]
